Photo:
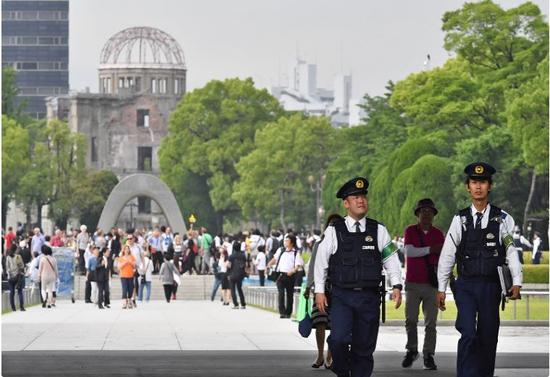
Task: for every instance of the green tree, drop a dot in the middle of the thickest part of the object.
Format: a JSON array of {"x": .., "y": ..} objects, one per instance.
[
  {"x": 67, "y": 152},
  {"x": 528, "y": 122},
  {"x": 9, "y": 92},
  {"x": 274, "y": 183},
  {"x": 15, "y": 160},
  {"x": 210, "y": 130},
  {"x": 90, "y": 194}
]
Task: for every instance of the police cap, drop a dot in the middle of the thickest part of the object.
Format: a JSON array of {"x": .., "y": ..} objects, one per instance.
[
  {"x": 479, "y": 170},
  {"x": 355, "y": 186}
]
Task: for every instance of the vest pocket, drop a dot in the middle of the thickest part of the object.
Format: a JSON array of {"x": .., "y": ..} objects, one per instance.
[
  {"x": 349, "y": 271},
  {"x": 489, "y": 262}
]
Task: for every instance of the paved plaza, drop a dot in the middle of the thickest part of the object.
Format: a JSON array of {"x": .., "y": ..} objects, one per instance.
[{"x": 202, "y": 338}]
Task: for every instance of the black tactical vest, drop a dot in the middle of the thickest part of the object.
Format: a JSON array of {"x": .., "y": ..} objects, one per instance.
[
  {"x": 480, "y": 250},
  {"x": 357, "y": 262}
]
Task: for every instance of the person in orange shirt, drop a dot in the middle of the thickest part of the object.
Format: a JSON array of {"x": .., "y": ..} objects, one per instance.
[{"x": 126, "y": 266}]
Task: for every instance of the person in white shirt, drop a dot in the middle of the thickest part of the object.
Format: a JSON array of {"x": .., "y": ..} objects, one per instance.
[
  {"x": 146, "y": 276},
  {"x": 537, "y": 252},
  {"x": 260, "y": 263},
  {"x": 352, "y": 253},
  {"x": 478, "y": 241},
  {"x": 287, "y": 262}
]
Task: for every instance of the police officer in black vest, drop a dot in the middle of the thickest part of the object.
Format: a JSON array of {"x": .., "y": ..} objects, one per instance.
[
  {"x": 478, "y": 241},
  {"x": 353, "y": 252}
]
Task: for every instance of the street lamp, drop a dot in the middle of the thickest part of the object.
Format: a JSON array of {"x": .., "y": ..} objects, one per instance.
[
  {"x": 316, "y": 186},
  {"x": 132, "y": 205}
]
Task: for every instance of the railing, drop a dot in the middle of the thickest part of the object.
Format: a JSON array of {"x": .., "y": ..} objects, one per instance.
[
  {"x": 30, "y": 297},
  {"x": 267, "y": 298}
]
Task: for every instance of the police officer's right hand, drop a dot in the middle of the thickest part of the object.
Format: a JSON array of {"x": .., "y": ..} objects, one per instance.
[
  {"x": 440, "y": 301},
  {"x": 321, "y": 302}
]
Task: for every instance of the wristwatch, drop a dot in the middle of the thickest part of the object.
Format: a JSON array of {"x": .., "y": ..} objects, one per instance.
[{"x": 398, "y": 286}]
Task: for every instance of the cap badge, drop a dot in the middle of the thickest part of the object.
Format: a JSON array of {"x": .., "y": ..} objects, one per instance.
[
  {"x": 479, "y": 169},
  {"x": 490, "y": 236},
  {"x": 359, "y": 184},
  {"x": 368, "y": 238}
]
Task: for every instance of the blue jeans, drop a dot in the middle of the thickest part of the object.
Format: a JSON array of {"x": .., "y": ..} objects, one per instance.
[
  {"x": 127, "y": 287},
  {"x": 148, "y": 286},
  {"x": 217, "y": 283}
]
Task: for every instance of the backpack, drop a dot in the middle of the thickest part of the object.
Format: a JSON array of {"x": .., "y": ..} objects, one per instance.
[{"x": 274, "y": 247}]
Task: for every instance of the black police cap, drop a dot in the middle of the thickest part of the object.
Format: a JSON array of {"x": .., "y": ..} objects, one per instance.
[
  {"x": 479, "y": 170},
  {"x": 354, "y": 186}
]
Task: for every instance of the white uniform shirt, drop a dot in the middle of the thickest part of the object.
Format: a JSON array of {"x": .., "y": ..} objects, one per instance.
[
  {"x": 536, "y": 247},
  {"x": 448, "y": 253},
  {"x": 260, "y": 261},
  {"x": 329, "y": 245},
  {"x": 288, "y": 262}
]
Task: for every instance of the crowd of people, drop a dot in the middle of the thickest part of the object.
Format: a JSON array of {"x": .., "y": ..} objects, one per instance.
[{"x": 137, "y": 255}]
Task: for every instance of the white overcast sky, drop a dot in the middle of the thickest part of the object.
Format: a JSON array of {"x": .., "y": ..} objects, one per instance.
[{"x": 375, "y": 40}]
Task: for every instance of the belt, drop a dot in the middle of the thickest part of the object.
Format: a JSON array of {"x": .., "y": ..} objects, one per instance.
[{"x": 360, "y": 289}]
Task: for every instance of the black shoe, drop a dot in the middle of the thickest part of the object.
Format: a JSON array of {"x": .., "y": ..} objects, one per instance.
[
  {"x": 43, "y": 304},
  {"x": 317, "y": 364},
  {"x": 108, "y": 306},
  {"x": 410, "y": 357},
  {"x": 13, "y": 308},
  {"x": 282, "y": 316},
  {"x": 243, "y": 307},
  {"x": 101, "y": 307},
  {"x": 49, "y": 306},
  {"x": 88, "y": 301},
  {"x": 23, "y": 309},
  {"x": 429, "y": 363}
]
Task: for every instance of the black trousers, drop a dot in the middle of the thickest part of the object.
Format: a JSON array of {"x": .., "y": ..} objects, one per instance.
[
  {"x": 285, "y": 285},
  {"x": 103, "y": 293},
  {"x": 12, "y": 285},
  {"x": 81, "y": 262},
  {"x": 168, "y": 291},
  {"x": 261, "y": 275},
  {"x": 236, "y": 284},
  {"x": 88, "y": 291}
]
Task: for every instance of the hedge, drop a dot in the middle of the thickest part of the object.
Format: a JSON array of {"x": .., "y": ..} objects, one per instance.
[
  {"x": 527, "y": 255},
  {"x": 535, "y": 273}
]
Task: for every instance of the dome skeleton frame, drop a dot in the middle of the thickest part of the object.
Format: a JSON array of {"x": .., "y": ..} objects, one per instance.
[{"x": 153, "y": 47}]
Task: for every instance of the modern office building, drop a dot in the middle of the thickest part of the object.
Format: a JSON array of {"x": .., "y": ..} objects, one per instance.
[
  {"x": 35, "y": 42},
  {"x": 302, "y": 94}
]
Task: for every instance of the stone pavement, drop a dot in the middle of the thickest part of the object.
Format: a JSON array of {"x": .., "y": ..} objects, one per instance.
[{"x": 218, "y": 331}]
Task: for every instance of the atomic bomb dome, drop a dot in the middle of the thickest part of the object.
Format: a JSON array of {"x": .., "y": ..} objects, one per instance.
[
  {"x": 142, "y": 47},
  {"x": 142, "y": 60}
]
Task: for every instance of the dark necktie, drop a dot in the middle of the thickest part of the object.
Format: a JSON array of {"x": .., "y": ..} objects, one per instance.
[
  {"x": 357, "y": 227},
  {"x": 479, "y": 216}
]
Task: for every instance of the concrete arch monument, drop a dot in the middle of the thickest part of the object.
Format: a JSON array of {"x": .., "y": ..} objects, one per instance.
[{"x": 141, "y": 185}]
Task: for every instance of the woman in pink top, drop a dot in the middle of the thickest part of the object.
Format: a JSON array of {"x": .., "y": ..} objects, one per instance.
[{"x": 48, "y": 275}]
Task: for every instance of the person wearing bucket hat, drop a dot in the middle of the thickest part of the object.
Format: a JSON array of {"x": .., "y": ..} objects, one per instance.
[
  {"x": 423, "y": 243},
  {"x": 479, "y": 240},
  {"x": 353, "y": 252}
]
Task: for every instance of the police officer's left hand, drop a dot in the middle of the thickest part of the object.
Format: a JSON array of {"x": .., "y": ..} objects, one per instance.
[
  {"x": 396, "y": 296},
  {"x": 515, "y": 292}
]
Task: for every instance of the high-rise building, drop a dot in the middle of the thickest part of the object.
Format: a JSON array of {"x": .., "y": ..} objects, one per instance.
[
  {"x": 302, "y": 93},
  {"x": 35, "y": 42}
]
